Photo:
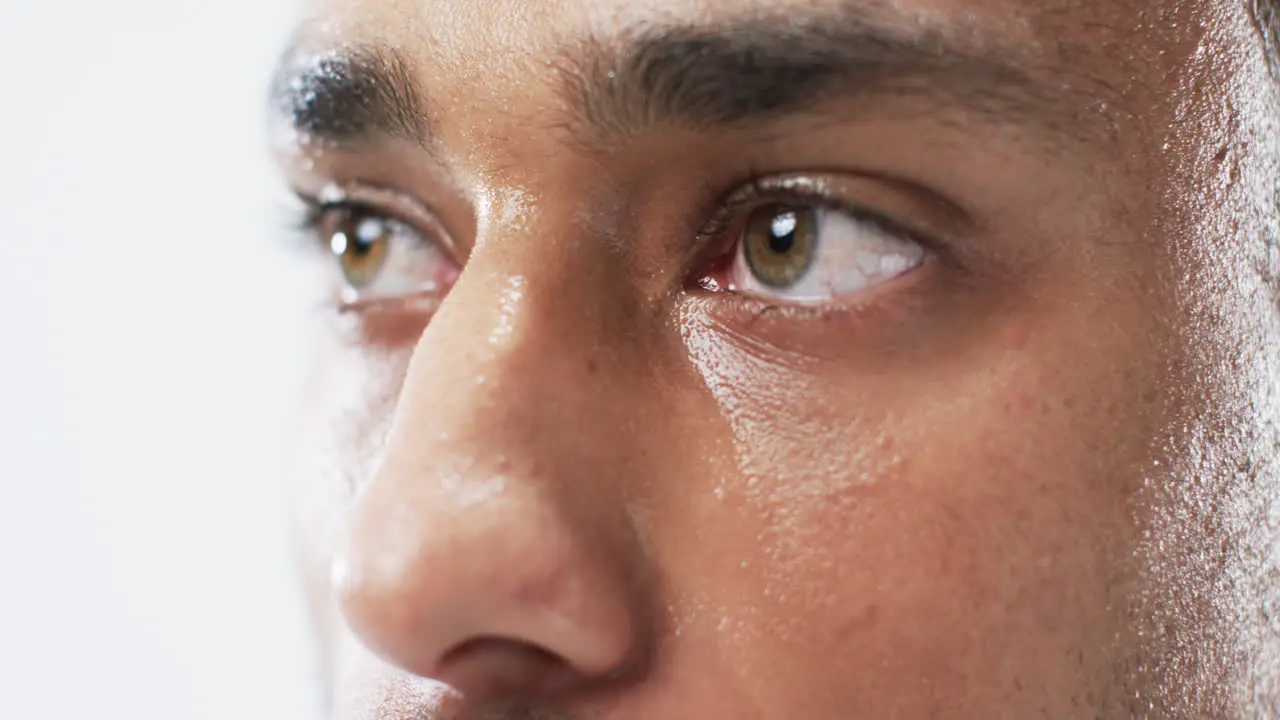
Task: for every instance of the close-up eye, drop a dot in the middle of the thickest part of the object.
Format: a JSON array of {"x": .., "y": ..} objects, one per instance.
[
  {"x": 378, "y": 257},
  {"x": 811, "y": 253}
]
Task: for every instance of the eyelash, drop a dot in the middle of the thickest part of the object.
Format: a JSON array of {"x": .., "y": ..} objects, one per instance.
[
  {"x": 306, "y": 220},
  {"x": 302, "y": 221},
  {"x": 759, "y": 191}
]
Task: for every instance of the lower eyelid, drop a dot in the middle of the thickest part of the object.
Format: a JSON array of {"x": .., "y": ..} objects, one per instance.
[
  {"x": 889, "y": 319},
  {"x": 878, "y": 293},
  {"x": 399, "y": 304},
  {"x": 392, "y": 325}
]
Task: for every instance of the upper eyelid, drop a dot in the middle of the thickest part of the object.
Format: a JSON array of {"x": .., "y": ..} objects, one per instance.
[
  {"x": 760, "y": 191},
  {"x": 385, "y": 202},
  {"x": 312, "y": 221}
]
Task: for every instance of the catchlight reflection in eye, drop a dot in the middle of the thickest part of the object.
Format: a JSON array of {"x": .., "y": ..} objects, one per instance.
[
  {"x": 809, "y": 254},
  {"x": 379, "y": 257}
]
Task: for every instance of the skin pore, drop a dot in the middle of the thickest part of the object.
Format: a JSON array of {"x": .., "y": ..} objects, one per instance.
[{"x": 789, "y": 359}]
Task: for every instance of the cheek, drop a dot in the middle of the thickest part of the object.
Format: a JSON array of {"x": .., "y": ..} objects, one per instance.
[{"x": 901, "y": 529}]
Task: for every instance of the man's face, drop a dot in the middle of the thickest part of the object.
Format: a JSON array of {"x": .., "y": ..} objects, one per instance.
[{"x": 788, "y": 359}]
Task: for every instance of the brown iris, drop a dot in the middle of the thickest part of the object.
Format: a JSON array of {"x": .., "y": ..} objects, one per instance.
[
  {"x": 360, "y": 242},
  {"x": 779, "y": 242}
]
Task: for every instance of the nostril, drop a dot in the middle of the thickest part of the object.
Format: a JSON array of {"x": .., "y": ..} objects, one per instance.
[
  {"x": 498, "y": 667},
  {"x": 484, "y": 645}
]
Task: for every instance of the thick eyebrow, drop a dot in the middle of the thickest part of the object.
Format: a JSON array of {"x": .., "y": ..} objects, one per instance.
[
  {"x": 704, "y": 77},
  {"x": 348, "y": 94}
]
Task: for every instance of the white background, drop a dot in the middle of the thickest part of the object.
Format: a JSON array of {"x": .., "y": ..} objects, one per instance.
[{"x": 152, "y": 338}]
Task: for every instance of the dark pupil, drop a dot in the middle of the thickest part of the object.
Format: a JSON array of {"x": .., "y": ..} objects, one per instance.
[
  {"x": 363, "y": 236},
  {"x": 782, "y": 232}
]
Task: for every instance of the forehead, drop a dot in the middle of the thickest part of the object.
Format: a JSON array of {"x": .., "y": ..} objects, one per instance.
[
  {"x": 490, "y": 39},
  {"x": 460, "y": 22}
]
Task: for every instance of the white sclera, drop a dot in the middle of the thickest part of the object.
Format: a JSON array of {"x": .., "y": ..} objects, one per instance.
[{"x": 849, "y": 255}]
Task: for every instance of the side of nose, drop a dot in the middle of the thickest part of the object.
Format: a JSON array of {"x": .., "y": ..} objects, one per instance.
[{"x": 492, "y": 551}]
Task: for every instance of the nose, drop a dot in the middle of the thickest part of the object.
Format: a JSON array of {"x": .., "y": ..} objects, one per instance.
[{"x": 492, "y": 550}]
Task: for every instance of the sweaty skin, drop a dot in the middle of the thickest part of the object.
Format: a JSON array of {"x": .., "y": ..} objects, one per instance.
[{"x": 566, "y": 458}]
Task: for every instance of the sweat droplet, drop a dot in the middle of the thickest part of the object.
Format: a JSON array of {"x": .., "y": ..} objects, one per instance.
[{"x": 508, "y": 302}]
